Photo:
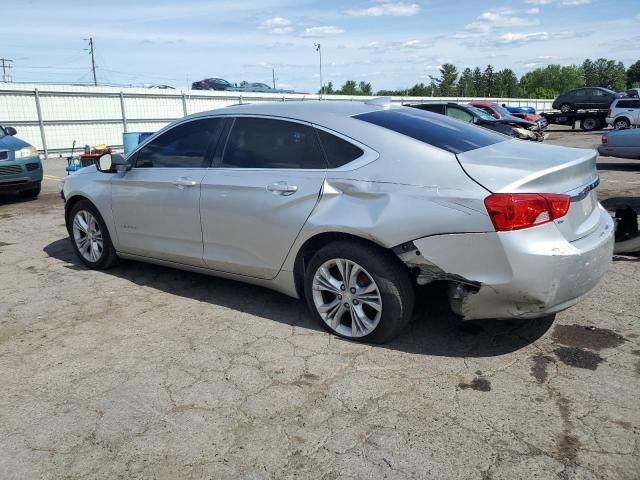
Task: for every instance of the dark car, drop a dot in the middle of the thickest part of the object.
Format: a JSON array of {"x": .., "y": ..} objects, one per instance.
[
  {"x": 470, "y": 114},
  {"x": 261, "y": 88},
  {"x": 586, "y": 98},
  {"x": 20, "y": 165},
  {"x": 212, "y": 84}
]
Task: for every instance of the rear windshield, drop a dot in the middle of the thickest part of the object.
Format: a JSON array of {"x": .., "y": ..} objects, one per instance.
[{"x": 442, "y": 132}]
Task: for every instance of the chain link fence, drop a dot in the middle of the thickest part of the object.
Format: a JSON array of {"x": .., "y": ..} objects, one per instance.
[{"x": 52, "y": 117}]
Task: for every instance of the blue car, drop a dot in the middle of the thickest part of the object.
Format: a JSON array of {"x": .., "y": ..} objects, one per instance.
[
  {"x": 520, "y": 109},
  {"x": 621, "y": 143},
  {"x": 20, "y": 165}
]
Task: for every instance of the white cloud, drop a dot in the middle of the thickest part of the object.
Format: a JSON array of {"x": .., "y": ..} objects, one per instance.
[
  {"x": 533, "y": 11},
  {"x": 277, "y": 26},
  {"x": 325, "y": 31},
  {"x": 538, "y": 2},
  {"x": 519, "y": 38},
  {"x": 391, "y": 9},
  {"x": 494, "y": 19},
  {"x": 564, "y": 3},
  {"x": 395, "y": 46}
]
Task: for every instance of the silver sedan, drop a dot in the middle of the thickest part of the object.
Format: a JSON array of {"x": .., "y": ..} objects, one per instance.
[{"x": 350, "y": 205}]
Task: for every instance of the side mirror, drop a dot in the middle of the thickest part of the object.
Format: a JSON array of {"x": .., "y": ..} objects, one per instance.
[
  {"x": 10, "y": 131},
  {"x": 112, "y": 163}
]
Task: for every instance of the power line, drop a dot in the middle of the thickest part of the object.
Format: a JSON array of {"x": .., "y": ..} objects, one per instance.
[
  {"x": 93, "y": 60},
  {"x": 6, "y": 69}
]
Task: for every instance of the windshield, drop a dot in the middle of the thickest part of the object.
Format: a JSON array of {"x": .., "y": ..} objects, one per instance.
[
  {"x": 481, "y": 113},
  {"x": 500, "y": 109},
  {"x": 2, "y": 132}
]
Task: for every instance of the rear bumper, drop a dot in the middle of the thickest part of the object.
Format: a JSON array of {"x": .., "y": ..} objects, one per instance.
[
  {"x": 624, "y": 152},
  {"x": 522, "y": 274}
]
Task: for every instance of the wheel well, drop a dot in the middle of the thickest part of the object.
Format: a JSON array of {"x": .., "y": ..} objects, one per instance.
[
  {"x": 68, "y": 205},
  {"x": 309, "y": 249},
  {"x": 622, "y": 117}
]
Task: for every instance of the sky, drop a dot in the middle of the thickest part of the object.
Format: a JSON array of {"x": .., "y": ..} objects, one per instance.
[{"x": 392, "y": 44}]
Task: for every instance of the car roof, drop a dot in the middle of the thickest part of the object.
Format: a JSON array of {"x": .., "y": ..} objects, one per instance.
[{"x": 312, "y": 111}]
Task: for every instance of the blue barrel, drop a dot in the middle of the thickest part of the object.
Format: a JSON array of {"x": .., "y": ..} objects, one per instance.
[{"x": 130, "y": 140}]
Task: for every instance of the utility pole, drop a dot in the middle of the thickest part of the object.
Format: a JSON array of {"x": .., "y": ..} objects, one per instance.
[
  {"x": 93, "y": 60},
  {"x": 273, "y": 74},
  {"x": 319, "y": 50},
  {"x": 6, "y": 69}
]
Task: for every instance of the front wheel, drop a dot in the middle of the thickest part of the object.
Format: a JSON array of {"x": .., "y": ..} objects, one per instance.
[
  {"x": 566, "y": 107},
  {"x": 589, "y": 124},
  {"x": 359, "y": 291},
  {"x": 90, "y": 237}
]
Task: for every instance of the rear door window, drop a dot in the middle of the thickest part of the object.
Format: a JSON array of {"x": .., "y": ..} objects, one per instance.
[
  {"x": 270, "y": 143},
  {"x": 337, "y": 151},
  {"x": 437, "y": 130}
]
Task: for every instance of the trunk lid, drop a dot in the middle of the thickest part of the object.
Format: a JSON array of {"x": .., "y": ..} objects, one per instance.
[{"x": 518, "y": 166}]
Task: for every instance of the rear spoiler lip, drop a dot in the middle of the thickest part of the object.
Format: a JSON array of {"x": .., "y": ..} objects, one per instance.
[{"x": 586, "y": 190}]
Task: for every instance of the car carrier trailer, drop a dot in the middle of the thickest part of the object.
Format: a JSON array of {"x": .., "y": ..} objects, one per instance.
[{"x": 589, "y": 119}]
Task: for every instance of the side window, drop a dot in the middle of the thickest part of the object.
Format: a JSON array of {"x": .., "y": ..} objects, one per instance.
[
  {"x": 184, "y": 146},
  {"x": 623, "y": 104},
  {"x": 578, "y": 93},
  {"x": 269, "y": 143},
  {"x": 338, "y": 151},
  {"x": 459, "y": 114},
  {"x": 431, "y": 108},
  {"x": 635, "y": 103},
  {"x": 598, "y": 93}
]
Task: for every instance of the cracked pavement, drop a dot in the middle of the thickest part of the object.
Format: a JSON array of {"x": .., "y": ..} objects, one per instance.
[{"x": 147, "y": 372}]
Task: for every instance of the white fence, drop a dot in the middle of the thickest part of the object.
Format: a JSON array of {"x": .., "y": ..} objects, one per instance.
[{"x": 51, "y": 117}]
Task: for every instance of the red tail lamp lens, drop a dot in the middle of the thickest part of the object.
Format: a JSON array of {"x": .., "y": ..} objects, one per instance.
[{"x": 515, "y": 211}]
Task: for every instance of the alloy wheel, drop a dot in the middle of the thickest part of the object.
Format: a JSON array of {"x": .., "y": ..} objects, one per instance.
[
  {"x": 88, "y": 236},
  {"x": 347, "y": 298}
]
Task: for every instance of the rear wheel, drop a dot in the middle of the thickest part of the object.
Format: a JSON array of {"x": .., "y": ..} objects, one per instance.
[
  {"x": 31, "y": 192},
  {"x": 90, "y": 237},
  {"x": 359, "y": 291},
  {"x": 621, "y": 123},
  {"x": 589, "y": 124},
  {"x": 566, "y": 107}
]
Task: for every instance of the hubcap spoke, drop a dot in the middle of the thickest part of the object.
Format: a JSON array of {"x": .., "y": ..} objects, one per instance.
[
  {"x": 88, "y": 236},
  {"x": 341, "y": 285}
]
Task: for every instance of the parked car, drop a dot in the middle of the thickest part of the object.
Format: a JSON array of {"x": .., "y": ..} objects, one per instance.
[
  {"x": 470, "y": 114},
  {"x": 633, "y": 92},
  {"x": 261, "y": 88},
  {"x": 500, "y": 112},
  {"x": 624, "y": 112},
  {"x": 584, "y": 99},
  {"x": 20, "y": 165},
  {"x": 519, "y": 109},
  {"x": 621, "y": 143},
  {"x": 350, "y": 205},
  {"x": 212, "y": 84}
]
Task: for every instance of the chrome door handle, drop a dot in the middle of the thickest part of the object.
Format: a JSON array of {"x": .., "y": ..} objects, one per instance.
[
  {"x": 282, "y": 188},
  {"x": 184, "y": 182}
]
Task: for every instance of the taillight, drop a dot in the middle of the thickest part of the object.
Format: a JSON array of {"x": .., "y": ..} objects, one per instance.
[
  {"x": 605, "y": 140},
  {"x": 514, "y": 211}
]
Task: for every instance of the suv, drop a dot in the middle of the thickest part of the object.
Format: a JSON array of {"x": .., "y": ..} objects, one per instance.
[
  {"x": 584, "y": 99},
  {"x": 624, "y": 112},
  {"x": 20, "y": 166}
]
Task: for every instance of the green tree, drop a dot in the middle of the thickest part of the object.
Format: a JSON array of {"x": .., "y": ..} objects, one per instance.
[
  {"x": 506, "y": 84},
  {"x": 488, "y": 81},
  {"x": 478, "y": 87},
  {"x": 465, "y": 84},
  {"x": 633, "y": 74},
  {"x": 551, "y": 80},
  {"x": 605, "y": 73},
  {"x": 349, "y": 88},
  {"x": 364, "y": 88},
  {"x": 446, "y": 82},
  {"x": 590, "y": 74},
  {"x": 419, "y": 90}
]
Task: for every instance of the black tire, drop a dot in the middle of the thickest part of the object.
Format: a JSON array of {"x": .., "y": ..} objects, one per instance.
[
  {"x": 390, "y": 275},
  {"x": 31, "y": 192},
  {"x": 620, "y": 123},
  {"x": 589, "y": 124},
  {"x": 108, "y": 257},
  {"x": 566, "y": 108}
]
